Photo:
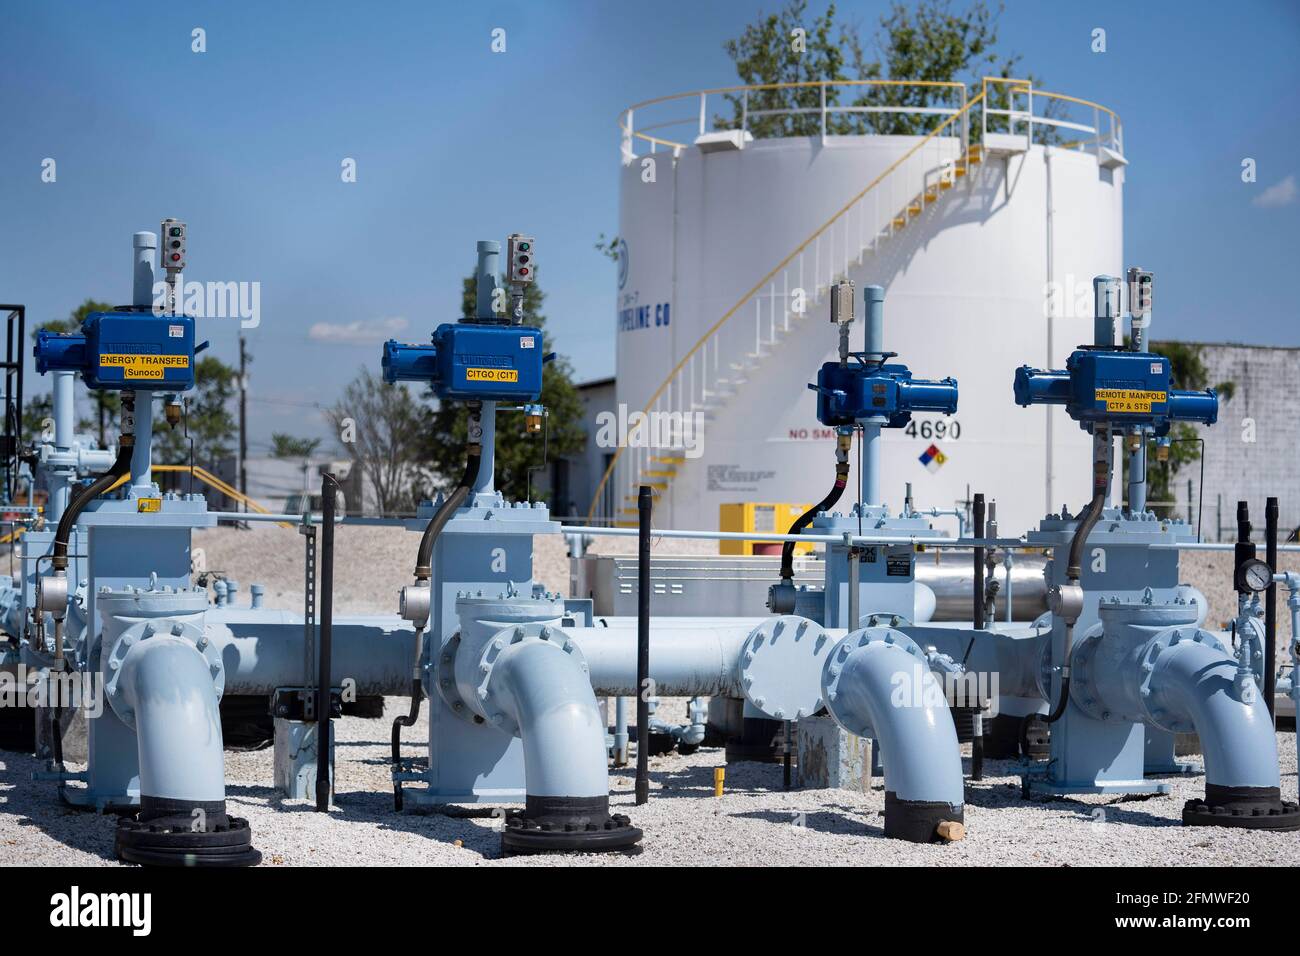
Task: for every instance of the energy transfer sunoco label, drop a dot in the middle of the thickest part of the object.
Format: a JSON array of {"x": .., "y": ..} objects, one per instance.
[
  {"x": 1129, "y": 399},
  {"x": 144, "y": 366}
]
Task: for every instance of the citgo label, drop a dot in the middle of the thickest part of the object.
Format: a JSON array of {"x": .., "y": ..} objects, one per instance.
[
  {"x": 1129, "y": 399},
  {"x": 491, "y": 375},
  {"x": 144, "y": 366}
]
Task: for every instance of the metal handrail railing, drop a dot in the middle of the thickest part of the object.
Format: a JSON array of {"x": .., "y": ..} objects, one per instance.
[
  {"x": 825, "y": 109},
  {"x": 769, "y": 276}
]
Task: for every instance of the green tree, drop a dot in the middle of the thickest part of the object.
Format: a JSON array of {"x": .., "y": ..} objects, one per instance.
[
  {"x": 207, "y": 422},
  {"x": 287, "y": 446},
  {"x": 104, "y": 403},
  {"x": 928, "y": 41},
  {"x": 517, "y": 453},
  {"x": 1187, "y": 371},
  {"x": 379, "y": 424}
]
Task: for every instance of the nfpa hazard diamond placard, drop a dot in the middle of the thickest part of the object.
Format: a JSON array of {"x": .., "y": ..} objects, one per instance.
[{"x": 933, "y": 458}]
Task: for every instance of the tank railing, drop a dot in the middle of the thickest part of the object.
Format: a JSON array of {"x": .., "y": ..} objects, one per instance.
[
  {"x": 1105, "y": 129},
  {"x": 731, "y": 348},
  {"x": 825, "y": 109}
]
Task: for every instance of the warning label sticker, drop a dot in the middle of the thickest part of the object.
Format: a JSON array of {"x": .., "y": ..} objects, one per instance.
[
  {"x": 1129, "y": 399},
  {"x": 491, "y": 375},
  {"x": 144, "y": 366}
]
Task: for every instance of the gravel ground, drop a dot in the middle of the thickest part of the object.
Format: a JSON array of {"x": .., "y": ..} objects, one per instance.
[{"x": 755, "y": 822}]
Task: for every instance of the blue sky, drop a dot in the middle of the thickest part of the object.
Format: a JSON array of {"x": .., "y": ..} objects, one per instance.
[{"x": 454, "y": 143}]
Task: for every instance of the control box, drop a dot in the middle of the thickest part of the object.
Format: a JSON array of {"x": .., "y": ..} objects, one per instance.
[
  {"x": 172, "y": 254},
  {"x": 472, "y": 362},
  {"x": 125, "y": 350}
]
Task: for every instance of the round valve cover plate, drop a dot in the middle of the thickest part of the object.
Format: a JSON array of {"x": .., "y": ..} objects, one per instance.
[{"x": 781, "y": 667}]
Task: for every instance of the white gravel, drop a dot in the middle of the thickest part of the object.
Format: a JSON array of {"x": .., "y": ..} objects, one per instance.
[{"x": 755, "y": 822}]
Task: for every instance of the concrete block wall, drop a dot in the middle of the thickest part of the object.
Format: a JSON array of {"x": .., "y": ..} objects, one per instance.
[{"x": 1235, "y": 467}]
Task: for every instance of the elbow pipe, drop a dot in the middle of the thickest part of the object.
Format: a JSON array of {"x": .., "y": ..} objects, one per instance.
[
  {"x": 531, "y": 682},
  {"x": 164, "y": 687},
  {"x": 1197, "y": 680},
  {"x": 1146, "y": 662},
  {"x": 877, "y": 683}
]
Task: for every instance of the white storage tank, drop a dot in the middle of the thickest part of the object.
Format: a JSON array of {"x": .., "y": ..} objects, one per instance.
[{"x": 986, "y": 253}]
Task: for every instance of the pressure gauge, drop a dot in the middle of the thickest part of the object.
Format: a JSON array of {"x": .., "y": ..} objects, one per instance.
[{"x": 1255, "y": 575}]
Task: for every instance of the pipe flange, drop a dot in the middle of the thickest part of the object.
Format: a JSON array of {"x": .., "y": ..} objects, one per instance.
[
  {"x": 584, "y": 827},
  {"x": 146, "y": 630},
  {"x": 781, "y": 667},
  {"x": 484, "y": 701},
  {"x": 1083, "y": 688},
  {"x": 1246, "y": 808},
  {"x": 834, "y": 666},
  {"x": 173, "y": 841},
  {"x": 1166, "y": 639},
  {"x": 447, "y": 682}
]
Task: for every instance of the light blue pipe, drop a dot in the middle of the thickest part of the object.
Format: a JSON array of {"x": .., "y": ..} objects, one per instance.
[
  {"x": 164, "y": 681},
  {"x": 873, "y": 297},
  {"x": 877, "y": 683},
  {"x": 1291, "y": 581},
  {"x": 1148, "y": 662},
  {"x": 542, "y": 690},
  {"x": 167, "y": 685},
  {"x": 487, "y": 282}
]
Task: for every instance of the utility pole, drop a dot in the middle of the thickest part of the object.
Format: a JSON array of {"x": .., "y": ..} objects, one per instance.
[{"x": 243, "y": 420}]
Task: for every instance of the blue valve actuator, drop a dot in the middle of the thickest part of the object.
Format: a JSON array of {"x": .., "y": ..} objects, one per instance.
[
  {"x": 858, "y": 391},
  {"x": 126, "y": 349},
  {"x": 467, "y": 361},
  {"x": 1116, "y": 387}
]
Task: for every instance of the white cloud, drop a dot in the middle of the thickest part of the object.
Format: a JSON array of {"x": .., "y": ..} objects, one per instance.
[
  {"x": 360, "y": 332},
  {"x": 1279, "y": 194}
]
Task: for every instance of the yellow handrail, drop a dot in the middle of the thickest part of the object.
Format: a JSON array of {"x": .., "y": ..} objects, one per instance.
[{"x": 609, "y": 470}]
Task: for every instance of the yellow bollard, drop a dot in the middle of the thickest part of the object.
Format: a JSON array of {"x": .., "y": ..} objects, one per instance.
[{"x": 719, "y": 776}]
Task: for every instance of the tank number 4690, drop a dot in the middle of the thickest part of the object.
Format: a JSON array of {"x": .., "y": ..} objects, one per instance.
[{"x": 929, "y": 428}]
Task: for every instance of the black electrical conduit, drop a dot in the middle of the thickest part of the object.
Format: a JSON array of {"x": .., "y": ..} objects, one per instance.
[
  {"x": 1073, "y": 572},
  {"x": 329, "y": 486},
  {"x": 59, "y": 560},
  {"x": 121, "y": 466},
  {"x": 423, "y": 570},
  {"x": 805, "y": 519}
]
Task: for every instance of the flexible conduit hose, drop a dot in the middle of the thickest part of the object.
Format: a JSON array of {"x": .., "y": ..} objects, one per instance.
[
  {"x": 424, "y": 558},
  {"x": 805, "y": 519},
  {"x": 1091, "y": 515},
  {"x": 407, "y": 719},
  {"x": 423, "y": 571},
  {"x": 121, "y": 466}
]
